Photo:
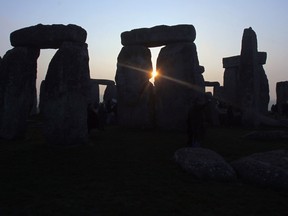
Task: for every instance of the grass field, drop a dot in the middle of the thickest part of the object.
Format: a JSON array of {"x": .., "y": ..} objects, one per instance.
[{"x": 127, "y": 172}]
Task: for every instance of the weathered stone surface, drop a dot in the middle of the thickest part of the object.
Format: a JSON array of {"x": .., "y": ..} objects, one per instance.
[
  {"x": 253, "y": 82},
  {"x": 65, "y": 98},
  {"x": 266, "y": 169},
  {"x": 282, "y": 97},
  {"x": 17, "y": 88},
  {"x": 134, "y": 90},
  {"x": 204, "y": 164},
  {"x": 179, "y": 83},
  {"x": 47, "y": 36},
  {"x": 159, "y": 35},
  {"x": 245, "y": 82}
]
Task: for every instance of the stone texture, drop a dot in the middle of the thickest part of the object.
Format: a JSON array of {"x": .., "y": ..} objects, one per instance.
[
  {"x": 133, "y": 87},
  {"x": 159, "y": 35},
  {"x": 179, "y": 82},
  {"x": 266, "y": 169},
  {"x": 245, "y": 82},
  {"x": 282, "y": 97},
  {"x": 47, "y": 36},
  {"x": 253, "y": 82},
  {"x": 204, "y": 164},
  {"x": 65, "y": 99},
  {"x": 17, "y": 88}
]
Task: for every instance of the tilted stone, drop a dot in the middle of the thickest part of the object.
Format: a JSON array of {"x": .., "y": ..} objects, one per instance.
[
  {"x": 159, "y": 35},
  {"x": 47, "y": 36},
  {"x": 17, "y": 90}
]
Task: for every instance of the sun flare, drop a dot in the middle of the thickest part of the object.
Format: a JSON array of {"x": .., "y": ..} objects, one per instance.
[{"x": 154, "y": 74}]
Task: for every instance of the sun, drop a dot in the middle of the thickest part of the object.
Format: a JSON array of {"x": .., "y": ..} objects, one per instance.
[{"x": 154, "y": 73}]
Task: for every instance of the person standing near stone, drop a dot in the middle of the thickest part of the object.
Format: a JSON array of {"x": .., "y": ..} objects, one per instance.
[{"x": 196, "y": 123}]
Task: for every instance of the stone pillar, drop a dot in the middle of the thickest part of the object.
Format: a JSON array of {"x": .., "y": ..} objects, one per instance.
[
  {"x": 178, "y": 84},
  {"x": 231, "y": 76},
  {"x": 133, "y": 87},
  {"x": 282, "y": 97},
  {"x": 65, "y": 98},
  {"x": 254, "y": 94},
  {"x": 17, "y": 89}
]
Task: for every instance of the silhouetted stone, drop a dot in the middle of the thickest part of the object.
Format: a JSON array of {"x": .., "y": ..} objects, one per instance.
[
  {"x": 94, "y": 97},
  {"x": 134, "y": 90},
  {"x": 253, "y": 82},
  {"x": 265, "y": 169},
  {"x": 110, "y": 93},
  {"x": 178, "y": 84},
  {"x": 17, "y": 90},
  {"x": 204, "y": 164},
  {"x": 245, "y": 82},
  {"x": 159, "y": 35},
  {"x": 282, "y": 97},
  {"x": 103, "y": 81},
  {"x": 65, "y": 98},
  {"x": 47, "y": 36}
]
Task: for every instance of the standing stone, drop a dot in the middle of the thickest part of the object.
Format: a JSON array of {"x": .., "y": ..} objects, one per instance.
[
  {"x": 94, "y": 98},
  {"x": 253, "y": 82},
  {"x": 65, "y": 98},
  {"x": 282, "y": 97},
  {"x": 133, "y": 87},
  {"x": 179, "y": 83},
  {"x": 110, "y": 93},
  {"x": 17, "y": 88}
]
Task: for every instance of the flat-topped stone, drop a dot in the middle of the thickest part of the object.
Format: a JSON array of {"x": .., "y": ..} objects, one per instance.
[
  {"x": 47, "y": 36},
  {"x": 234, "y": 61},
  {"x": 159, "y": 35}
]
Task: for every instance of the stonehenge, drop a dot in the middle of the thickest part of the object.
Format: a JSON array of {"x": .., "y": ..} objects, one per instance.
[
  {"x": 68, "y": 89},
  {"x": 178, "y": 83}
]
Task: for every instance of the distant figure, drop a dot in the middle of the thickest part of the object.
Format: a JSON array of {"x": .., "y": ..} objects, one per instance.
[{"x": 196, "y": 123}]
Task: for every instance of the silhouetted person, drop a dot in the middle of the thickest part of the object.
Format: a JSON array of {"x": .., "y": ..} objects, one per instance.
[{"x": 196, "y": 124}]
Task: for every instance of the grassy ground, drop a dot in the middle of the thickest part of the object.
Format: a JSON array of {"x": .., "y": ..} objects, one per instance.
[{"x": 127, "y": 172}]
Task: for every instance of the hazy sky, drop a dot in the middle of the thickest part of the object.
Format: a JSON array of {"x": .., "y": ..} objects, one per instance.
[{"x": 219, "y": 26}]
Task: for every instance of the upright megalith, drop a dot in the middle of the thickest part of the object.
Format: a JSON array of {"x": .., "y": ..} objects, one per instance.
[
  {"x": 282, "y": 97},
  {"x": 65, "y": 97},
  {"x": 47, "y": 36},
  {"x": 245, "y": 82},
  {"x": 133, "y": 87},
  {"x": 17, "y": 90},
  {"x": 178, "y": 84}
]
